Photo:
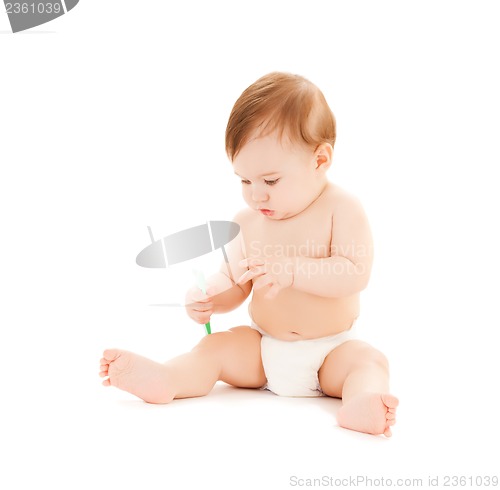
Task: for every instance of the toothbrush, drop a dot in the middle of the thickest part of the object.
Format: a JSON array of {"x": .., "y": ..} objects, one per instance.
[{"x": 202, "y": 284}]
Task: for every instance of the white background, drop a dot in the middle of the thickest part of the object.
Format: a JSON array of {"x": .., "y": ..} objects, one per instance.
[{"x": 112, "y": 118}]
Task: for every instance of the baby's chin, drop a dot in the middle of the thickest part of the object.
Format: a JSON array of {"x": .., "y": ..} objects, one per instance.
[
  {"x": 282, "y": 215},
  {"x": 278, "y": 215},
  {"x": 291, "y": 213}
]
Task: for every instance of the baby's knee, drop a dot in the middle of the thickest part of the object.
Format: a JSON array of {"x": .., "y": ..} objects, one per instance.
[
  {"x": 213, "y": 342},
  {"x": 238, "y": 341},
  {"x": 377, "y": 358},
  {"x": 363, "y": 355}
]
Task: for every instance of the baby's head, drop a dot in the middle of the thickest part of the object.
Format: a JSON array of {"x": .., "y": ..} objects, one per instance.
[
  {"x": 280, "y": 139},
  {"x": 288, "y": 105}
]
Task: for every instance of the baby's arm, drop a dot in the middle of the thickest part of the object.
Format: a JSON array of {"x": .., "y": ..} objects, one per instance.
[
  {"x": 344, "y": 273},
  {"x": 223, "y": 294},
  {"x": 347, "y": 270}
]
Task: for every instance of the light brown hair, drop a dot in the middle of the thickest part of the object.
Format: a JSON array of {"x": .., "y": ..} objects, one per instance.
[{"x": 289, "y": 104}]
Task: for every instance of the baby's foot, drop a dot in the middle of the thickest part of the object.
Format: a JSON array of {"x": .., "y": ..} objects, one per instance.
[
  {"x": 369, "y": 412},
  {"x": 142, "y": 377}
]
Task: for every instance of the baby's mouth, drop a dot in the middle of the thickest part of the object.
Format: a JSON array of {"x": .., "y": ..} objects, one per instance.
[{"x": 267, "y": 212}]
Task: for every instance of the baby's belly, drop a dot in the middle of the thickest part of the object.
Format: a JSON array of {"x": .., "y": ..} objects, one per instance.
[{"x": 294, "y": 315}]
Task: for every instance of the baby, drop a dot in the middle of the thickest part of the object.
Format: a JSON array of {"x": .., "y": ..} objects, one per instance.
[{"x": 305, "y": 248}]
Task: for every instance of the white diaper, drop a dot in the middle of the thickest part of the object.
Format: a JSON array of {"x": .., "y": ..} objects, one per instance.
[{"x": 292, "y": 366}]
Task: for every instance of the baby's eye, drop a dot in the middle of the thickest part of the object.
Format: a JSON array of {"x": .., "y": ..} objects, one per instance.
[
  {"x": 271, "y": 182},
  {"x": 243, "y": 181}
]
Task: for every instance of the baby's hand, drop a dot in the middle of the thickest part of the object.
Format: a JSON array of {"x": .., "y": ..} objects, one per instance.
[
  {"x": 275, "y": 273},
  {"x": 199, "y": 305}
]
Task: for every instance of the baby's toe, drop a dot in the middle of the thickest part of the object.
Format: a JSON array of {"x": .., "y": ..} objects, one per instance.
[
  {"x": 390, "y": 401},
  {"x": 110, "y": 355}
]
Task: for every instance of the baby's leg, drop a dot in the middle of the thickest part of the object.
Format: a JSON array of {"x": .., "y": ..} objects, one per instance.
[
  {"x": 232, "y": 356},
  {"x": 359, "y": 374}
]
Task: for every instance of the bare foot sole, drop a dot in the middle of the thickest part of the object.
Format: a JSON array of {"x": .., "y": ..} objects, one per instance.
[
  {"x": 371, "y": 413},
  {"x": 138, "y": 375}
]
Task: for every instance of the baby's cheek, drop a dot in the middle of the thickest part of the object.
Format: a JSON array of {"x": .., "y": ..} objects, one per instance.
[
  {"x": 288, "y": 196},
  {"x": 247, "y": 196}
]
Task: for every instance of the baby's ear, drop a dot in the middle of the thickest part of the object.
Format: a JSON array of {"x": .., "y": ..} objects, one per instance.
[{"x": 323, "y": 156}]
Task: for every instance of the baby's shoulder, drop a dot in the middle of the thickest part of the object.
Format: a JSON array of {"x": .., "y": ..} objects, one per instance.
[
  {"x": 338, "y": 198},
  {"x": 244, "y": 217},
  {"x": 347, "y": 210}
]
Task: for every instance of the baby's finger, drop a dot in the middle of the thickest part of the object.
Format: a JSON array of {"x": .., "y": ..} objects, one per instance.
[
  {"x": 201, "y": 297},
  {"x": 251, "y": 262},
  {"x": 201, "y": 307},
  {"x": 263, "y": 281},
  {"x": 273, "y": 291},
  {"x": 213, "y": 291},
  {"x": 202, "y": 317},
  {"x": 249, "y": 275},
  {"x": 244, "y": 278},
  {"x": 196, "y": 295}
]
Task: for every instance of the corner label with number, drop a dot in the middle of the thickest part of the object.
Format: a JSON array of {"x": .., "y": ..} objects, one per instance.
[{"x": 31, "y": 13}]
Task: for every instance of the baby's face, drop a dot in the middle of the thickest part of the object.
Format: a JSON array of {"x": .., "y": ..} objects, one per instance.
[{"x": 278, "y": 180}]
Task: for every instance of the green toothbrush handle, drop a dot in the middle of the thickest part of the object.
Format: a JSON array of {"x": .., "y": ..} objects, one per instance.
[{"x": 200, "y": 279}]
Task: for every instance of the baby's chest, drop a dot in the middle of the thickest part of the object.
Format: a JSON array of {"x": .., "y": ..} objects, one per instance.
[{"x": 285, "y": 239}]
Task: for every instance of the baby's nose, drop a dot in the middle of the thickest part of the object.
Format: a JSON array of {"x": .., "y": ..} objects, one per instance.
[{"x": 259, "y": 195}]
